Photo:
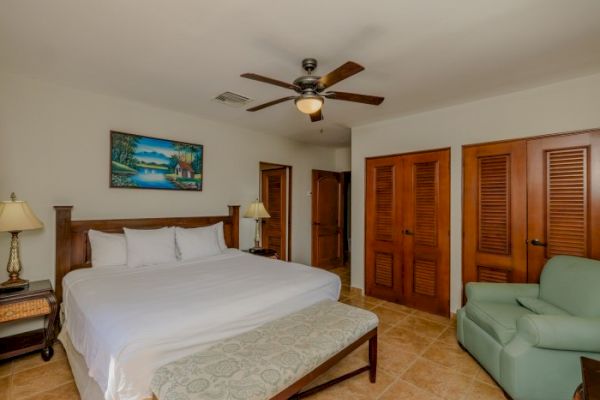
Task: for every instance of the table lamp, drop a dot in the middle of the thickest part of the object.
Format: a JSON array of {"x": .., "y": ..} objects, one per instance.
[
  {"x": 257, "y": 211},
  {"x": 16, "y": 216}
]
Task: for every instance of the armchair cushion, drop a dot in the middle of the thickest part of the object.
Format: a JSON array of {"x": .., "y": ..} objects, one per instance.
[
  {"x": 500, "y": 292},
  {"x": 560, "y": 332},
  {"x": 499, "y": 320},
  {"x": 540, "y": 306}
]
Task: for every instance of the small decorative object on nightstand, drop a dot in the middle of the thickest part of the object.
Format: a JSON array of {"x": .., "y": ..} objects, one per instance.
[
  {"x": 34, "y": 301},
  {"x": 257, "y": 211},
  {"x": 269, "y": 253},
  {"x": 16, "y": 216}
]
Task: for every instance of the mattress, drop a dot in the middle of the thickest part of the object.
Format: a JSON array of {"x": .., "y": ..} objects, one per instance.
[{"x": 127, "y": 322}]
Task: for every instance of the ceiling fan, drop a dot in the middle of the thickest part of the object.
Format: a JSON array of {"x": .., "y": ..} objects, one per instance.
[{"x": 309, "y": 87}]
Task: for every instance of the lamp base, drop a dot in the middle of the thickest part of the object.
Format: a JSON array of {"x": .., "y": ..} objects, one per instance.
[{"x": 14, "y": 283}]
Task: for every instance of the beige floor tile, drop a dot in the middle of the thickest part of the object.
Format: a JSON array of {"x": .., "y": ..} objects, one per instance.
[
  {"x": 68, "y": 391},
  {"x": 439, "y": 380},
  {"x": 4, "y": 387},
  {"x": 387, "y": 316},
  {"x": 362, "y": 389},
  {"x": 433, "y": 317},
  {"x": 5, "y": 368},
  {"x": 392, "y": 359},
  {"x": 449, "y": 338},
  {"x": 39, "y": 379},
  {"x": 422, "y": 326},
  {"x": 402, "y": 390},
  {"x": 407, "y": 340},
  {"x": 483, "y": 391},
  {"x": 482, "y": 376},
  {"x": 360, "y": 301},
  {"x": 451, "y": 357},
  {"x": 35, "y": 359},
  {"x": 396, "y": 307}
]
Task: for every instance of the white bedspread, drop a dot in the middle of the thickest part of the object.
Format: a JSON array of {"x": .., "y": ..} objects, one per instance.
[{"x": 127, "y": 322}]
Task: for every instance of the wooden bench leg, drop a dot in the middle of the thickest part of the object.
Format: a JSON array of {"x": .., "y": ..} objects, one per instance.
[{"x": 373, "y": 359}]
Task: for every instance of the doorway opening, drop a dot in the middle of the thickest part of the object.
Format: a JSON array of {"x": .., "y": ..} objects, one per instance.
[{"x": 276, "y": 194}]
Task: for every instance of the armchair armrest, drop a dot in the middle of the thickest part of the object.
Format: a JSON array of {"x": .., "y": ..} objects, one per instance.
[
  {"x": 500, "y": 292},
  {"x": 561, "y": 332}
]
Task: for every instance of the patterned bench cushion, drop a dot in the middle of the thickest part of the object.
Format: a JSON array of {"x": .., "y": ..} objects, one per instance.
[{"x": 263, "y": 362}]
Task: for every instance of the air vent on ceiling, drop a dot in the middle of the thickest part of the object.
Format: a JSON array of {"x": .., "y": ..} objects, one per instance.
[{"x": 232, "y": 99}]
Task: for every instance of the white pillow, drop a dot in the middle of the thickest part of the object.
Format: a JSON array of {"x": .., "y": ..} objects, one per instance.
[
  {"x": 220, "y": 235},
  {"x": 197, "y": 242},
  {"x": 150, "y": 246},
  {"x": 108, "y": 249}
]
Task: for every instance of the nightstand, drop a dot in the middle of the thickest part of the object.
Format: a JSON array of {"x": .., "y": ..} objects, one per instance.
[
  {"x": 35, "y": 301},
  {"x": 269, "y": 253}
]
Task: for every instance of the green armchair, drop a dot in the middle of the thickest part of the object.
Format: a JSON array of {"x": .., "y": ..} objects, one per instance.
[{"x": 530, "y": 337}]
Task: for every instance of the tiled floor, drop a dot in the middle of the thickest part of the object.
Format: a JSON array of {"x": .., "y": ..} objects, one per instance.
[{"x": 418, "y": 359}]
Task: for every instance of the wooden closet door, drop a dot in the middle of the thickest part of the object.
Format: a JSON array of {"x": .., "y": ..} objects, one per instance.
[
  {"x": 383, "y": 228},
  {"x": 274, "y": 197},
  {"x": 495, "y": 212},
  {"x": 563, "y": 204},
  {"x": 427, "y": 231}
]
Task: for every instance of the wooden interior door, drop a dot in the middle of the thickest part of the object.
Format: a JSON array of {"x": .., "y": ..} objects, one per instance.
[
  {"x": 327, "y": 219},
  {"x": 563, "y": 206},
  {"x": 426, "y": 205},
  {"x": 274, "y": 196},
  {"x": 495, "y": 212},
  {"x": 383, "y": 228}
]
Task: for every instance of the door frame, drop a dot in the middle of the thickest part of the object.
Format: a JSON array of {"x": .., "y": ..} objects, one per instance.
[
  {"x": 313, "y": 252},
  {"x": 449, "y": 266},
  {"x": 270, "y": 165}
]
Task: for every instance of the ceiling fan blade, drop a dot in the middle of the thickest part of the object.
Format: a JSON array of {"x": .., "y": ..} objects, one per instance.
[
  {"x": 316, "y": 116},
  {"x": 345, "y": 71},
  {"x": 271, "y": 103},
  {"x": 358, "y": 98},
  {"x": 275, "y": 82}
]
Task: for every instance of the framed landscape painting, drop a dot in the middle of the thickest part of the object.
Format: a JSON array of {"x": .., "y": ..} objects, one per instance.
[{"x": 143, "y": 162}]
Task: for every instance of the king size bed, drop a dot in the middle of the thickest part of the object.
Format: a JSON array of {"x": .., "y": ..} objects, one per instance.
[{"x": 120, "y": 323}]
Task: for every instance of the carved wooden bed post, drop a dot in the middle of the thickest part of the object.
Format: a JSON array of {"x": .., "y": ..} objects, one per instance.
[
  {"x": 234, "y": 211},
  {"x": 63, "y": 246}
]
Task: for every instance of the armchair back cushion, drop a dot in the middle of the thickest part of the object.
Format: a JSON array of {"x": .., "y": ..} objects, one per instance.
[{"x": 572, "y": 283}]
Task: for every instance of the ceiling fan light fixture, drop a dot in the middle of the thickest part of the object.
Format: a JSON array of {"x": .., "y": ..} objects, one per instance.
[{"x": 309, "y": 104}]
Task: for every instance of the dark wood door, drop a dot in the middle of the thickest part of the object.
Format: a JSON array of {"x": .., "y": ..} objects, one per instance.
[
  {"x": 274, "y": 197},
  {"x": 426, "y": 215},
  {"x": 327, "y": 219},
  {"x": 383, "y": 228},
  {"x": 563, "y": 203},
  {"x": 495, "y": 212}
]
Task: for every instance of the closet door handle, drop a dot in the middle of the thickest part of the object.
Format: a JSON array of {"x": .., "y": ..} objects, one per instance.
[
  {"x": 408, "y": 232},
  {"x": 537, "y": 242}
]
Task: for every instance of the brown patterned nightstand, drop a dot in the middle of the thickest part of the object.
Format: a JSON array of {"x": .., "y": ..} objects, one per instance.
[
  {"x": 37, "y": 300},
  {"x": 269, "y": 253}
]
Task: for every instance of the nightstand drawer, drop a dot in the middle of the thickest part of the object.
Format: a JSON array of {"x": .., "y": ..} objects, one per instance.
[{"x": 24, "y": 309}]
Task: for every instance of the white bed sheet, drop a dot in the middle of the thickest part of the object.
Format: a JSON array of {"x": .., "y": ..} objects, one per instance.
[{"x": 127, "y": 322}]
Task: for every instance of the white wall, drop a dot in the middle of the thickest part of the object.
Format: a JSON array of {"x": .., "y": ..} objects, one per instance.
[
  {"x": 343, "y": 160},
  {"x": 54, "y": 150},
  {"x": 565, "y": 106}
]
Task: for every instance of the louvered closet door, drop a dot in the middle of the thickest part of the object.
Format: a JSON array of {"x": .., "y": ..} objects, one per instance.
[
  {"x": 427, "y": 231},
  {"x": 495, "y": 212},
  {"x": 563, "y": 198},
  {"x": 274, "y": 196},
  {"x": 383, "y": 228}
]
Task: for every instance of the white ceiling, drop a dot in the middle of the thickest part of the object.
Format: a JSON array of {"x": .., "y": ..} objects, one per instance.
[{"x": 419, "y": 54}]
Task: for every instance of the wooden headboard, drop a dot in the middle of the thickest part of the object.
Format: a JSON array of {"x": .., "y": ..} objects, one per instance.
[{"x": 73, "y": 247}]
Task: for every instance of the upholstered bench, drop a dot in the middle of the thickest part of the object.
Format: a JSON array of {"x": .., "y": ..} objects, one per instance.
[{"x": 275, "y": 360}]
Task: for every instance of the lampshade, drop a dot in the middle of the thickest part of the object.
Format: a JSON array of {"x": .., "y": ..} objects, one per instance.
[
  {"x": 16, "y": 216},
  {"x": 256, "y": 210},
  {"x": 309, "y": 104}
]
